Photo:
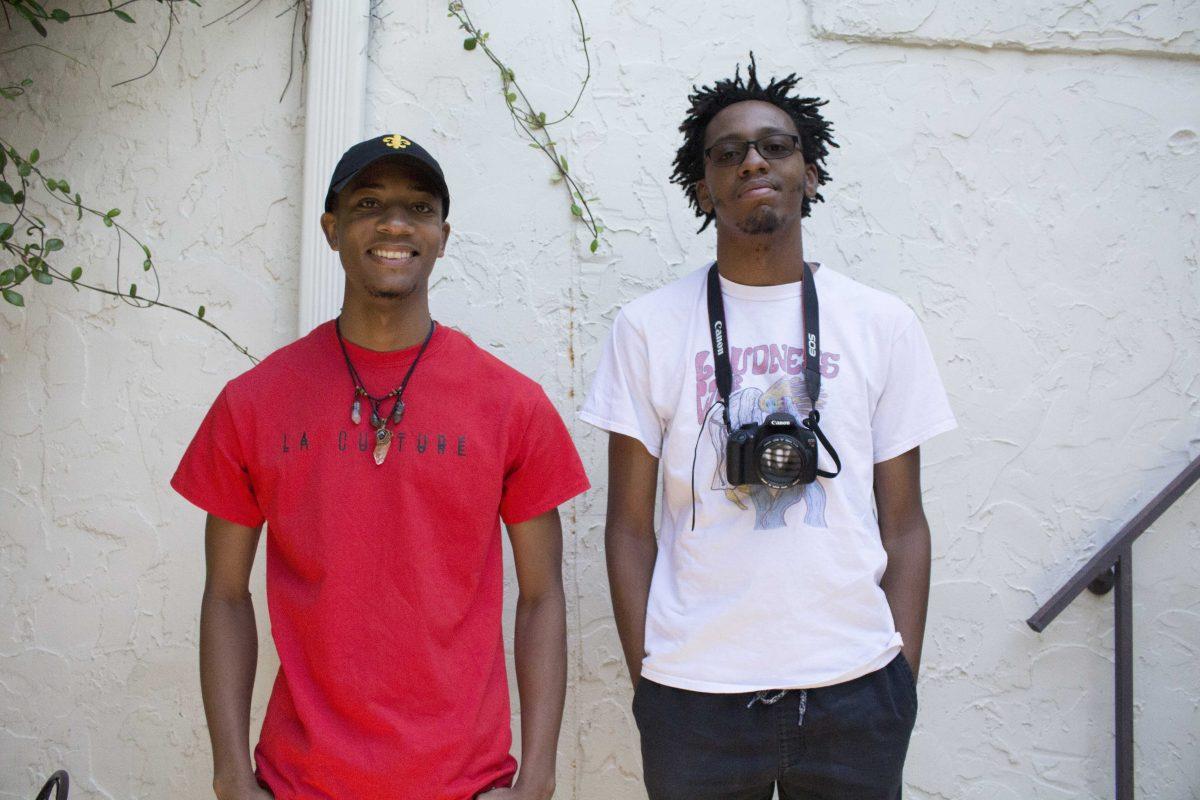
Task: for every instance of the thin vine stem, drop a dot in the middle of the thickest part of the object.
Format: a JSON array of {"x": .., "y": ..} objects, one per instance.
[
  {"x": 529, "y": 121},
  {"x": 32, "y": 255},
  {"x": 108, "y": 10},
  {"x": 158, "y": 53}
]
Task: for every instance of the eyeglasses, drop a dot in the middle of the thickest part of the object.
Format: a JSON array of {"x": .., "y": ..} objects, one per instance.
[{"x": 773, "y": 147}]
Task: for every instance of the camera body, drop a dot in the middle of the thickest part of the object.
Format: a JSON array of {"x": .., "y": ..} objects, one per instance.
[{"x": 779, "y": 453}]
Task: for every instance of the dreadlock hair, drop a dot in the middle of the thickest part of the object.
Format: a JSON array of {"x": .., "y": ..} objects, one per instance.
[{"x": 816, "y": 134}]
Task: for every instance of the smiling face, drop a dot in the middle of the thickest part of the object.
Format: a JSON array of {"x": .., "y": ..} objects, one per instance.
[
  {"x": 388, "y": 230},
  {"x": 757, "y": 196}
]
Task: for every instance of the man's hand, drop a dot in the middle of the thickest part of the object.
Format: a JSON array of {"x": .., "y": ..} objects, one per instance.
[
  {"x": 630, "y": 548},
  {"x": 540, "y": 653},
  {"x": 905, "y": 536},
  {"x": 229, "y": 656}
]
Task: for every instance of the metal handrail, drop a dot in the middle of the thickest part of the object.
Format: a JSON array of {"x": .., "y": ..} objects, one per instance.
[
  {"x": 1101, "y": 565},
  {"x": 1112, "y": 567}
]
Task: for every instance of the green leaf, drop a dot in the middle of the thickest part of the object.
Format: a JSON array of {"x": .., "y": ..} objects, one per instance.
[
  {"x": 21, "y": 272},
  {"x": 36, "y": 6},
  {"x": 121, "y": 15},
  {"x": 510, "y": 97},
  {"x": 563, "y": 161},
  {"x": 34, "y": 156},
  {"x": 469, "y": 43},
  {"x": 19, "y": 198},
  {"x": 576, "y": 210},
  {"x": 7, "y": 276},
  {"x": 43, "y": 277},
  {"x": 24, "y": 169},
  {"x": 52, "y": 185},
  {"x": 63, "y": 186},
  {"x": 14, "y": 297},
  {"x": 200, "y": 312},
  {"x": 6, "y": 231},
  {"x": 147, "y": 265},
  {"x": 76, "y": 273},
  {"x": 41, "y": 29},
  {"x": 3, "y": 159},
  {"x": 113, "y": 212},
  {"x": 27, "y": 82},
  {"x": 107, "y": 222},
  {"x": 60, "y": 15},
  {"x": 133, "y": 290},
  {"x": 146, "y": 250},
  {"x": 6, "y": 193},
  {"x": 595, "y": 245},
  {"x": 53, "y": 245}
]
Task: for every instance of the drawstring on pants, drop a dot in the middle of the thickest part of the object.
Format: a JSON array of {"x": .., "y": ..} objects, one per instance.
[{"x": 769, "y": 697}]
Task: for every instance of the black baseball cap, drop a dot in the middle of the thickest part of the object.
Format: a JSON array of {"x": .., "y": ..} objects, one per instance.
[{"x": 393, "y": 145}]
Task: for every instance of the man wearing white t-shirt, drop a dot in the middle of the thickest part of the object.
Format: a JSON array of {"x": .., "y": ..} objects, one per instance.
[{"x": 773, "y": 631}]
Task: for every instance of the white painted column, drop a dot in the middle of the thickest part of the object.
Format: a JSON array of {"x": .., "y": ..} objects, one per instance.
[{"x": 335, "y": 101}]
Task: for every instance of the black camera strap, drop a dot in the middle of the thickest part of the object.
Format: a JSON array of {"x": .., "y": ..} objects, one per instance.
[{"x": 812, "y": 354}]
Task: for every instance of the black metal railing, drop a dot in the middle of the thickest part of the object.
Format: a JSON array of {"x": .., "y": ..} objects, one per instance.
[{"x": 1109, "y": 568}]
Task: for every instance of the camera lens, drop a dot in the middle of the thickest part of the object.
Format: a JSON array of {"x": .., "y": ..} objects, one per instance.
[{"x": 781, "y": 461}]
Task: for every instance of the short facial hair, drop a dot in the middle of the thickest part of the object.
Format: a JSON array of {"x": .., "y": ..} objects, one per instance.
[
  {"x": 762, "y": 220},
  {"x": 383, "y": 294}
]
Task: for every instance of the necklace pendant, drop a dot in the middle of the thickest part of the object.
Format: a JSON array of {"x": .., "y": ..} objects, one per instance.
[
  {"x": 376, "y": 422},
  {"x": 356, "y": 411},
  {"x": 383, "y": 442},
  {"x": 398, "y": 412}
]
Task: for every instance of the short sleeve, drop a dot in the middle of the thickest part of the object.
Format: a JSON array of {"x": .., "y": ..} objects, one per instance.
[
  {"x": 542, "y": 469},
  {"x": 620, "y": 400},
  {"x": 214, "y": 474},
  {"x": 912, "y": 406}
]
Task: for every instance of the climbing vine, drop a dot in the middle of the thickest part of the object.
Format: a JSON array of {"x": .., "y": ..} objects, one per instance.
[
  {"x": 28, "y": 189},
  {"x": 533, "y": 124}
]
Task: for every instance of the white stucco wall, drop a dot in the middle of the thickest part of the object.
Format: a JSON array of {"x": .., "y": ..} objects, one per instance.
[
  {"x": 1031, "y": 195},
  {"x": 101, "y": 566}
]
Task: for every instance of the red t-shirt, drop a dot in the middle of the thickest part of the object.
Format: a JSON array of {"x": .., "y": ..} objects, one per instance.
[{"x": 384, "y": 583}]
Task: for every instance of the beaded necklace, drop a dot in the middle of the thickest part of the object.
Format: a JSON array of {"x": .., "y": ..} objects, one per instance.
[{"x": 379, "y": 420}]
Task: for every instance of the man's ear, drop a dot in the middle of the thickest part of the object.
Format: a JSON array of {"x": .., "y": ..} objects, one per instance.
[
  {"x": 329, "y": 226},
  {"x": 811, "y": 181},
  {"x": 445, "y": 237},
  {"x": 703, "y": 197}
]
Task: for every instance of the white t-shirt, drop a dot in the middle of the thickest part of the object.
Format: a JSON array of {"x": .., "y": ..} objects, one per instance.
[{"x": 774, "y": 589}]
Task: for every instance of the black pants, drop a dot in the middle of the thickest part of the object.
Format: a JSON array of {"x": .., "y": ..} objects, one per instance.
[{"x": 843, "y": 742}]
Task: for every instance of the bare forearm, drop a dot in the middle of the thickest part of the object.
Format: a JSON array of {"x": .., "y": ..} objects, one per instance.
[
  {"x": 228, "y": 659},
  {"x": 906, "y": 584},
  {"x": 541, "y": 661},
  {"x": 630, "y": 556}
]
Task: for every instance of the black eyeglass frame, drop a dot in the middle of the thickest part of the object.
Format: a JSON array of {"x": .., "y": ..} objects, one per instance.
[{"x": 746, "y": 144}]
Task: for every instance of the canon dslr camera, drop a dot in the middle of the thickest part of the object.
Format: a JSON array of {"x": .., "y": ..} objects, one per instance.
[{"x": 778, "y": 453}]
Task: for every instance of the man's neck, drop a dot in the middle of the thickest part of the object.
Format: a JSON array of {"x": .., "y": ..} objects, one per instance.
[
  {"x": 761, "y": 259},
  {"x": 378, "y": 326}
]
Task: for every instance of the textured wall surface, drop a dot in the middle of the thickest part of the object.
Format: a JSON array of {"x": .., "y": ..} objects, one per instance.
[
  {"x": 101, "y": 564},
  {"x": 1038, "y": 210}
]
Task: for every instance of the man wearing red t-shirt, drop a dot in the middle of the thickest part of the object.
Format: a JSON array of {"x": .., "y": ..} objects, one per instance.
[{"x": 382, "y": 450}]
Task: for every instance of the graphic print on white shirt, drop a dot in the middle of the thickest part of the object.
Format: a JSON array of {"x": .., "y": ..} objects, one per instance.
[
  {"x": 771, "y": 589},
  {"x": 752, "y": 405}
]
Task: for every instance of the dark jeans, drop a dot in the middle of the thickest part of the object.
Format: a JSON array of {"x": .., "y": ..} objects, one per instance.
[{"x": 843, "y": 742}]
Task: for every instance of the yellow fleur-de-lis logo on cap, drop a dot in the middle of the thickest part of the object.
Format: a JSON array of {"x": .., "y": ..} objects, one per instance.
[{"x": 396, "y": 142}]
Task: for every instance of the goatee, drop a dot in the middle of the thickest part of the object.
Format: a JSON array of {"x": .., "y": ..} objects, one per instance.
[
  {"x": 761, "y": 221},
  {"x": 388, "y": 294}
]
